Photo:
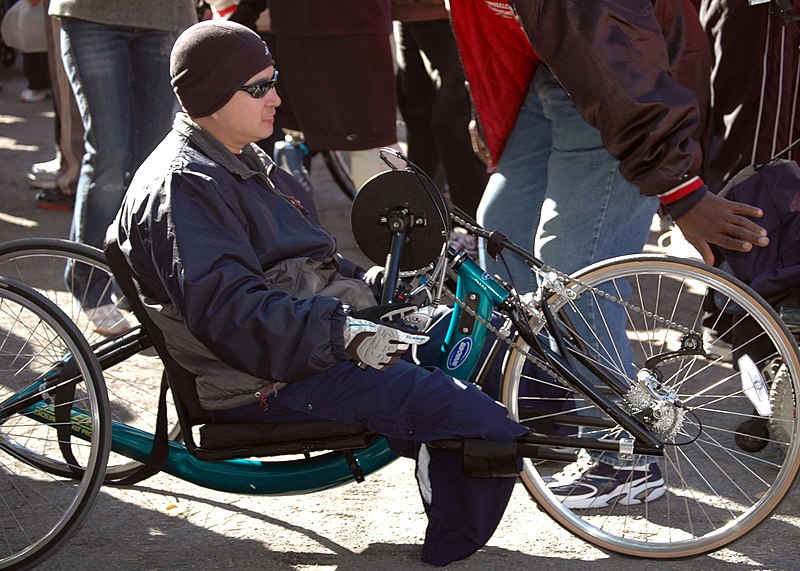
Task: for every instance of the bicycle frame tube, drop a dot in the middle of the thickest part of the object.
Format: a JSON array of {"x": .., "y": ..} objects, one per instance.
[
  {"x": 250, "y": 476},
  {"x": 242, "y": 476},
  {"x": 466, "y": 335},
  {"x": 560, "y": 360}
]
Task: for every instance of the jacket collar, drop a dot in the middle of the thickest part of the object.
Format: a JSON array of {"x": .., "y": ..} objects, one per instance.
[{"x": 253, "y": 162}]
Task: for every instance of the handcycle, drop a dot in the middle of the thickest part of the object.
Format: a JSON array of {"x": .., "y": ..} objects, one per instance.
[{"x": 667, "y": 388}]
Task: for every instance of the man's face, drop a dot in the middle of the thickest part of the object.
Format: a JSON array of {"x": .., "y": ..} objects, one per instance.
[{"x": 245, "y": 119}]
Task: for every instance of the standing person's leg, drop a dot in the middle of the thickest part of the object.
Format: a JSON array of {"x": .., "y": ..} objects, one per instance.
[
  {"x": 515, "y": 192},
  {"x": 465, "y": 172},
  {"x": 154, "y": 102},
  {"x": 412, "y": 405},
  {"x": 34, "y": 66},
  {"x": 70, "y": 142},
  {"x": 64, "y": 169},
  {"x": 96, "y": 58},
  {"x": 415, "y": 98},
  {"x": 590, "y": 213}
]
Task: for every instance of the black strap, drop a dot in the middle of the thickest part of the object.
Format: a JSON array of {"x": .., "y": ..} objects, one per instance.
[
  {"x": 158, "y": 455},
  {"x": 494, "y": 243},
  {"x": 64, "y": 396}
]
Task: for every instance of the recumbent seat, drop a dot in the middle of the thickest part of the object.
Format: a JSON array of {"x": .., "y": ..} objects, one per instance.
[{"x": 223, "y": 441}]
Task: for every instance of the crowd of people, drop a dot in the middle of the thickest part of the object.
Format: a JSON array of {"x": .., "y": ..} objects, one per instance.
[{"x": 568, "y": 125}]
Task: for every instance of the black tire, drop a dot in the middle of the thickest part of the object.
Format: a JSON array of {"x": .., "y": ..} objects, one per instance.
[
  {"x": 44, "y": 509},
  {"x": 340, "y": 172}
]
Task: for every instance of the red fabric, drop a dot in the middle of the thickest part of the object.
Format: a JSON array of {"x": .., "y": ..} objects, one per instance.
[
  {"x": 684, "y": 189},
  {"x": 499, "y": 63}
]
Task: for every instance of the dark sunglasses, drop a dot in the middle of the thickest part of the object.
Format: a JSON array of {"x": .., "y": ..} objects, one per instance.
[{"x": 259, "y": 89}]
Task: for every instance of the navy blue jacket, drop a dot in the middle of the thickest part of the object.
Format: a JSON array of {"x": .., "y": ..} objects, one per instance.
[{"x": 200, "y": 225}]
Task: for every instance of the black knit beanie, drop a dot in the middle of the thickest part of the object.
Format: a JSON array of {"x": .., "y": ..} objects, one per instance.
[{"x": 211, "y": 60}]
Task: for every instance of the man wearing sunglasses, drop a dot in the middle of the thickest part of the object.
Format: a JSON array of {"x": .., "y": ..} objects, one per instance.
[{"x": 235, "y": 269}]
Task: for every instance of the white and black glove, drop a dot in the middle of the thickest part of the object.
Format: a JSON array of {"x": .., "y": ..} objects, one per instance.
[
  {"x": 373, "y": 277},
  {"x": 375, "y": 337}
]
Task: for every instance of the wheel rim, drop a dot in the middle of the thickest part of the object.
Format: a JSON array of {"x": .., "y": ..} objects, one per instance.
[
  {"x": 766, "y": 479},
  {"x": 44, "y": 507}
]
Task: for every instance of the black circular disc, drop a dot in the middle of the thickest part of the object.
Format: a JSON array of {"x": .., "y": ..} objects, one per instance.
[{"x": 386, "y": 193}]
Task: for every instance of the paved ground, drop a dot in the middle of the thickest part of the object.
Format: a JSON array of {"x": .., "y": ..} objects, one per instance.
[{"x": 166, "y": 524}]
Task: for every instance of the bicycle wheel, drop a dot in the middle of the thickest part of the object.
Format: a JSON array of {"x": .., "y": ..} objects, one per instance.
[
  {"x": 340, "y": 172},
  {"x": 76, "y": 278},
  {"x": 715, "y": 491},
  {"x": 67, "y": 432}
]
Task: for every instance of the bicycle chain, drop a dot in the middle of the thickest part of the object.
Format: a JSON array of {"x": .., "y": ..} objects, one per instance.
[
  {"x": 506, "y": 338},
  {"x": 566, "y": 278},
  {"x": 627, "y": 305}
]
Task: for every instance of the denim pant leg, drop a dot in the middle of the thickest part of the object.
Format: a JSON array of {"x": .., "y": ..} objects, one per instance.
[
  {"x": 590, "y": 213},
  {"x": 557, "y": 187},
  {"x": 120, "y": 77},
  {"x": 512, "y": 200}
]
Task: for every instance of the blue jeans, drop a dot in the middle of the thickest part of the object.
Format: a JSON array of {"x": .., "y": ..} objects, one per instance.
[
  {"x": 120, "y": 77},
  {"x": 557, "y": 192}
]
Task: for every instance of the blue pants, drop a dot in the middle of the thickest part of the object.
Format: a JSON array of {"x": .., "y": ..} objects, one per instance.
[
  {"x": 557, "y": 192},
  {"x": 412, "y": 405},
  {"x": 120, "y": 77}
]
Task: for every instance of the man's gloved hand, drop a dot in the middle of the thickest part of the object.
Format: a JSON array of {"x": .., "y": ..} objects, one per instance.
[
  {"x": 375, "y": 337},
  {"x": 373, "y": 277}
]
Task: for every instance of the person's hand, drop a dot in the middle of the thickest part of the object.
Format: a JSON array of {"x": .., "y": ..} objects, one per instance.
[
  {"x": 376, "y": 343},
  {"x": 716, "y": 220},
  {"x": 479, "y": 146},
  {"x": 373, "y": 277}
]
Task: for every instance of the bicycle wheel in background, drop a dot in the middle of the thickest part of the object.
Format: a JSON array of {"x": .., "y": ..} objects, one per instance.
[
  {"x": 51, "y": 464},
  {"x": 339, "y": 168},
  {"x": 715, "y": 490},
  {"x": 76, "y": 278}
]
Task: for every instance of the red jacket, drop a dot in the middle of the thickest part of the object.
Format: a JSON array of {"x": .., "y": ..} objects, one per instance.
[{"x": 619, "y": 61}]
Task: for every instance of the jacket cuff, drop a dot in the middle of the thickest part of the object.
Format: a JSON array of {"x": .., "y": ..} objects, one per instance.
[
  {"x": 337, "y": 334},
  {"x": 682, "y": 198}
]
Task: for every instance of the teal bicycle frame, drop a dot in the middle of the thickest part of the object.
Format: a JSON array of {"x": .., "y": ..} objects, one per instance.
[{"x": 459, "y": 357}]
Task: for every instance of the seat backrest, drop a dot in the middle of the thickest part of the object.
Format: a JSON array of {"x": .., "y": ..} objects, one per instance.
[{"x": 181, "y": 381}]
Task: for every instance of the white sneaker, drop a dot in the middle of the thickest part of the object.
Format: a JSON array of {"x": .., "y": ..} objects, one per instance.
[
  {"x": 34, "y": 95},
  {"x": 107, "y": 319},
  {"x": 44, "y": 175}
]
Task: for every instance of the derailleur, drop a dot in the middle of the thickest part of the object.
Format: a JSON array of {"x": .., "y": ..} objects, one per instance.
[{"x": 651, "y": 401}]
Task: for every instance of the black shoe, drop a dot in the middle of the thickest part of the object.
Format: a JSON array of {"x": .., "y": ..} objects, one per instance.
[
  {"x": 598, "y": 485},
  {"x": 54, "y": 200}
]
